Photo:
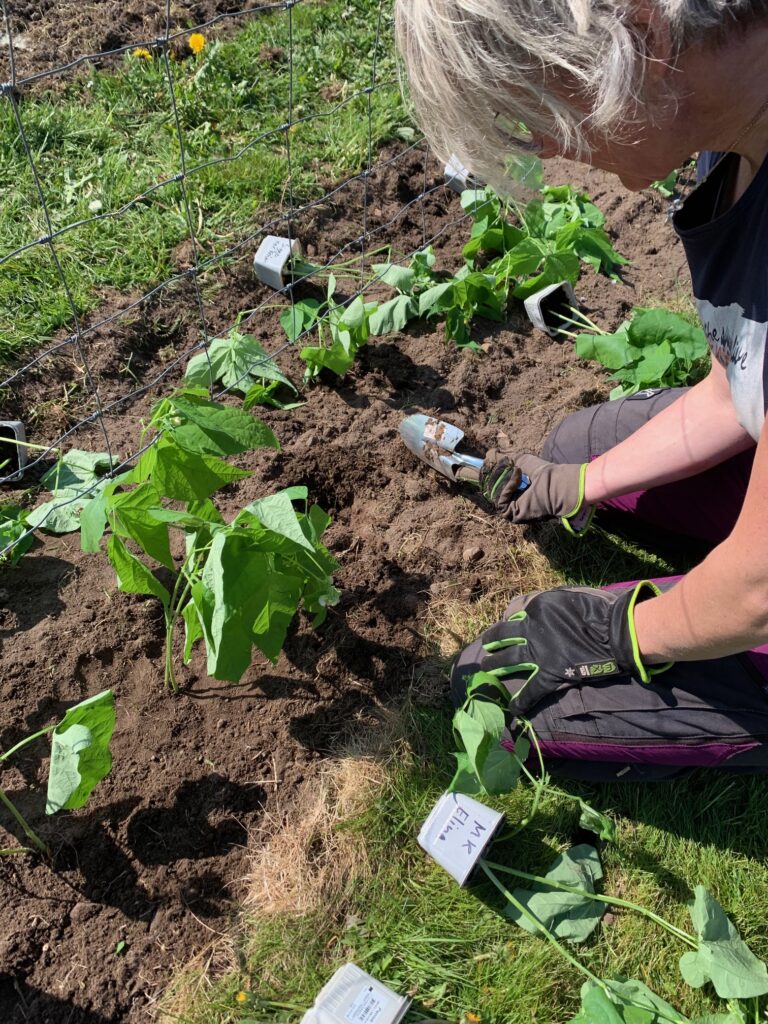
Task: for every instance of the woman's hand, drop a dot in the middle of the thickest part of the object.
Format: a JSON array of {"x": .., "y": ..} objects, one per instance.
[
  {"x": 554, "y": 490},
  {"x": 564, "y": 637}
]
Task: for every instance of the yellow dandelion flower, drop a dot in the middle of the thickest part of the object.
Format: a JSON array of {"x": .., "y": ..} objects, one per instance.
[
  {"x": 472, "y": 1018},
  {"x": 241, "y": 997},
  {"x": 196, "y": 42},
  {"x": 142, "y": 52}
]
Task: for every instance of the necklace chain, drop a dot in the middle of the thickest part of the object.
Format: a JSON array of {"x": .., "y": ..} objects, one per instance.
[{"x": 685, "y": 192}]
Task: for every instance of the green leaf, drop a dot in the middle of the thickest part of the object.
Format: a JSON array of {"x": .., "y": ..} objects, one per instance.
[
  {"x": 277, "y": 597},
  {"x": 526, "y": 169},
  {"x": 639, "y": 1005},
  {"x": 568, "y": 915},
  {"x": 437, "y": 298},
  {"x": 191, "y": 476},
  {"x": 299, "y": 318},
  {"x": 597, "y": 822},
  {"x": 656, "y": 326},
  {"x": 393, "y": 315},
  {"x": 13, "y": 527},
  {"x": 594, "y": 246},
  {"x": 465, "y": 780},
  {"x": 277, "y": 513},
  {"x": 334, "y": 358},
  {"x": 80, "y": 755},
  {"x": 611, "y": 350},
  {"x": 734, "y": 1016},
  {"x": 474, "y": 738},
  {"x": 402, "y": 278},
  {"x": 133, "y": 577},
  {"x": 77, "y": 471},
  {"x": 722, "y": 957},
  {"x": 557, "y": 267},
  {"x": 212, "y": 428},
  {"x": 596, "y": 1007},
  {"x": 264, "y": 394},
  {"x": 130, "y": 516},
  {"x": 627, "y": 1002},
  {"x": 93, "y": 521},
  {"x": 63, "y": 513},
  {"x": 652, "y": 365},
  {"x": 666, "y": 186},
  {"x": 193, "y": 629}
]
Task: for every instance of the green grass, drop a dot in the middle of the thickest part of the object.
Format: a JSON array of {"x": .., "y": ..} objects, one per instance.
[
  {"x": 101, "y": 141},
  {"x": 411, "y": 926}
]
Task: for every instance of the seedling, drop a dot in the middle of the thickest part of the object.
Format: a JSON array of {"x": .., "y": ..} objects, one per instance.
[
  {"x": 354, "y": 997},
  {"x": 271, "y": 259},
  {"x": 654, "y": 348},
  {"x": 80, "y": 759},
  {"x": 240, "y": 364},
  {"x": 237, "y": 585},
  {"x": 15, "y": 536},
  {"x": 564, "y": 905},
  {"x": 13, "y": 450}
]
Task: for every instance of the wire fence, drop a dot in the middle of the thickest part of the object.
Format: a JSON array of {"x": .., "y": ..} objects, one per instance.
[{"x": 100, "y": 411}]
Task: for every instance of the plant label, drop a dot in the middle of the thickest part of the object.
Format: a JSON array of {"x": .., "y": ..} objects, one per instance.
[
  {"x": 457, "y": 832},
  {"x": 458, "y": 177},
  {"x": 13, "y": 452},
  {"x": 271, "y": 259},
  {"x": 354, "y": 997},
  {"x": 546, "y": 307}
]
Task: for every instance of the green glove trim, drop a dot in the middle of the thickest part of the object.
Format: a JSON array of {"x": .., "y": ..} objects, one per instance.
[
  {"x": 578, "y": 529},
  {"x": 645, "y": 672}
]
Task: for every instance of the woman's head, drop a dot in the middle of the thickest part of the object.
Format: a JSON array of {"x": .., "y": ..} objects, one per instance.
[{"x": 575, "y": 73}]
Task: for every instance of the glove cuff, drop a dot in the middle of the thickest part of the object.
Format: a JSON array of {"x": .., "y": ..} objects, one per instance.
[
  {"x": 624, "y": 637},
  {"x": 578, "y": 520}
]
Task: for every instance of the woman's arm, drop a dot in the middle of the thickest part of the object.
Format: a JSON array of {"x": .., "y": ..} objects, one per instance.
[
  {"x": 721, "y": 606},
  {"x": 697, "y": 431}
]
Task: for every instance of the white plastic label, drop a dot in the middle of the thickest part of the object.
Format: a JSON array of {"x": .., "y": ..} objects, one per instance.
[
  {"x": 457, "y": 832},
  {"x": 354, "y": 997},
  {"x": 366, "y": 1008},
  {"x": 271, "y": 258}
]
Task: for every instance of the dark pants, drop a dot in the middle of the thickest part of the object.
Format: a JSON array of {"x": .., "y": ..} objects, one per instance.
[{"x": 697, "y": 714}]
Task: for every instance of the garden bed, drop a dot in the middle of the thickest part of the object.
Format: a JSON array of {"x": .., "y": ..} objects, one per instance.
[{"x": 156, "y": 861}]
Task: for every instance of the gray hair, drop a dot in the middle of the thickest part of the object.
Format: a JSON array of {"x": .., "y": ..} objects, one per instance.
[{"x": 479, "y": 69}]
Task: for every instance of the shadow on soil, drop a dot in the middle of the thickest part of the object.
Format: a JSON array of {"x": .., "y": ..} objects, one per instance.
[{"x": 21, "y": 1003}]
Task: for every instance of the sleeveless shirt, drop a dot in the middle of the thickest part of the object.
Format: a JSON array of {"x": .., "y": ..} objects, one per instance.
[{"x": 728, "y": 258}]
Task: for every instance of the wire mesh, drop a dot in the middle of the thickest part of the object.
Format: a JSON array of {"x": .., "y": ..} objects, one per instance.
[{"x": 99, "y": 412}]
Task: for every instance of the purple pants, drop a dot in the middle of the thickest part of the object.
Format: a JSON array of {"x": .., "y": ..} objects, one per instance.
[{"x": 697, "y": 714}]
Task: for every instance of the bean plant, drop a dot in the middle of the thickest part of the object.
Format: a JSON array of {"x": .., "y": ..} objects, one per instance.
[
  {"x": 513, "y": 251},
  {"x": 564, "y": 907},
  {"x": 655, "y": 348},
  {"x": 235, "y": 584}
]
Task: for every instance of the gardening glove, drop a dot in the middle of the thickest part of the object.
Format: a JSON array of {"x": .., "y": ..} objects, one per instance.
[
  {"x": 564, "y": 637},
  {"x": 554, "y": 490}
]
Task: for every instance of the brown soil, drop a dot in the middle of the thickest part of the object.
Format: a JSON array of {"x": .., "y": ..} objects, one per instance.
[
  {"x": 157, "y": 857},
  {"x": 52, "y": 34}
]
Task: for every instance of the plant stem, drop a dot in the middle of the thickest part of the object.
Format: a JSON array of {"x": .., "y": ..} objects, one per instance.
[
  {"x": 15, "y": 851},
  {"x": 541, "y": 927},
  {"x": 613, "y": 900},
  {"x": 21, "y": 820},
  {"x": 26, "y": 740}
]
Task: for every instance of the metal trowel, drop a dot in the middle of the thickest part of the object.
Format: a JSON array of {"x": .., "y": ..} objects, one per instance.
[{"x": 436, "y": 443}]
